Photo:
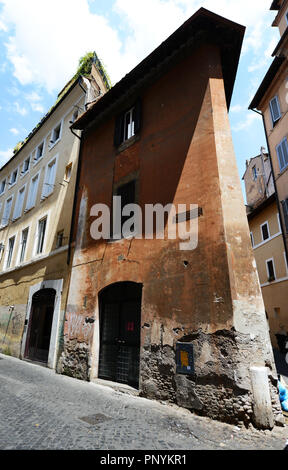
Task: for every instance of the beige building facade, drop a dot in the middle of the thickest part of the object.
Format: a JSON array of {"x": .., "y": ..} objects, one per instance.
[
  {"x": 267, "y": 242},
  {"x": 271, "y": 100},
  {"x": 36, "y": 202}
]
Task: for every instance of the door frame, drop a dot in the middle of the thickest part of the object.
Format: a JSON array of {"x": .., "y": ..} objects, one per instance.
[
  {"x": 57, "y": 285},
  {"x": 96, "y": 339}
]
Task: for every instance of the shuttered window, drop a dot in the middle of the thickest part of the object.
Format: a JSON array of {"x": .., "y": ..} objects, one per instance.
[
  {"x": 19, "y": 203},
  {"x": 41, "y": 235},
  {"x": 10, "y": 251},
  {"x": 32, "y": 192},
  {"x": 282, "y": 152},
  {"x": 49, "y": 182},
  {"x": 6, "y": 213},
  {"x": 275, "y": 110},
  {"x": 127, "y": 124}
]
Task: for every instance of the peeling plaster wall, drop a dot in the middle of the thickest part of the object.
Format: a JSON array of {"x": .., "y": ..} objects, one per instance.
[{"x": 209, "y": 296}]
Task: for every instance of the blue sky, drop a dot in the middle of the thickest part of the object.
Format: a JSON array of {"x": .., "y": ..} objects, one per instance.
[{"x": 41, "y": 42}]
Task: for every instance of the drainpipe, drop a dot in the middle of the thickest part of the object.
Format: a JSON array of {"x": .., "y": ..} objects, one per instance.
[
  {"x": 275, "y": 186},
  {"x": 76, "y": 191}
]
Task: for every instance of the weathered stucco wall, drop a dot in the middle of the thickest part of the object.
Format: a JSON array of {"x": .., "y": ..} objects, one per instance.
[
  {"x": 14, "y": 294},
  {"x": 210, "y": 296}
]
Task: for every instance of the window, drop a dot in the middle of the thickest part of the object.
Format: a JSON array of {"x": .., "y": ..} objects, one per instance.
[
  {"x": 252, "y": 239},
  {"x": 127, "y": 124},
  {"x": 31, "y": 200},
  {"x": 270, "y": 270},
  {"x": 275, "y": 110},
  {"x": 39, "y": 152},
  {"x": 41, "y": 235},
  {"x": 13, "y": 177},
  {"x": 285, "y": 213},
  {"x": 254, "y": 173},
  {"x": 265, "y": 231},
  {"x": 282, "y": 153},
  {"x": 59, "y": 239},
  {"x": 68, "y": 172},
  {"x": 23, "y": 244},
  {"x": 10, "y": 251},
  {"x": 19, "y": 203},
  {"x": 74, "y": 116},
  {"x": 48, "y": 185},
  {"x": 127, "y": 194},
  {"x": 26, "y": 166},
  {"x": 6, "y": 213},
  {"x": 2, "y": 186},
  {"x": 56, "y": 134}
]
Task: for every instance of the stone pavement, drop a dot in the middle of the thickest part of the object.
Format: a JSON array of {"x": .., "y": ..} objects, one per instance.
[{"x": 43, "y": 410}]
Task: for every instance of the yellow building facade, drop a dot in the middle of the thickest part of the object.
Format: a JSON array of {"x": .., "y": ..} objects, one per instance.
[{"x": 37, "y": 188}]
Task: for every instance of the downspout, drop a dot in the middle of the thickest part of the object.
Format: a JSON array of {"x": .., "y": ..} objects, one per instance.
[
  {"x": 76, "y": 191},
  {"x": 275, "y": 186}
]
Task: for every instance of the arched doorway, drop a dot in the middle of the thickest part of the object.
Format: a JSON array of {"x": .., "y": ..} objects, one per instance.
[
  {"x": 39, "y": 332},
  {"x": 120, "y": 325}
]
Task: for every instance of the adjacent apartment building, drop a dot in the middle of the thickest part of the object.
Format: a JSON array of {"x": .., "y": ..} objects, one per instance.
[
  {"x": 36, "y": 199},
  {"x": 271, "y": 100},
  {"x": 267, "y": 242},
  {"x": 185, "y": 325}
]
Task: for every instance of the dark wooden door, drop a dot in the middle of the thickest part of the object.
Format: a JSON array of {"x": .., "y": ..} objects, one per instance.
[{"x": 120, "y": 339}]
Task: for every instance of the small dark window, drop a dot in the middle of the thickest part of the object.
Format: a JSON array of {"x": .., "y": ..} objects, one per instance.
[
  {"x": 60, "y": 238},
  {"x": 127, "y": 193},
  {"x": 271, "y": 272},
  {"x": 265, "y": 232},
  {"x": 128, "y": 124},
  {"x": 254, "y": 172},
  {"x": 285, "y": 212},
  {"x": 41, "y": 235}
]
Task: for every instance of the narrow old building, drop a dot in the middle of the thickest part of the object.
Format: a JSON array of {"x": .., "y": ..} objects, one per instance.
[
  {"x": 36, "y": 200},
  {"x": 183, "y": 322}
]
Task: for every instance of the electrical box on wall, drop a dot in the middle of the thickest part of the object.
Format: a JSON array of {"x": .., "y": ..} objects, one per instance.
[{"x": 184, "y": 358}]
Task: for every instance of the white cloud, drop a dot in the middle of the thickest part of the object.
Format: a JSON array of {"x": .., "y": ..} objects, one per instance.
[
  {"x": 19, "y": 109},
  {"x": 237, "y": 108},
  {"x": 246, "y": 123},
  {"x": 14, "y": 131},
  {"x": 44, "y": 47},
  {"x": 5, "y": 155}
]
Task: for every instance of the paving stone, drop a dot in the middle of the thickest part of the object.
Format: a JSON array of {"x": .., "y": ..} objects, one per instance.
[{"x": 40, "y": 409}]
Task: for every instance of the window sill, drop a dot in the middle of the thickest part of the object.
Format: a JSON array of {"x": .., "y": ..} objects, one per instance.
[
  {"x": 24, "y": 174},
  {"x": 54, "y": 143},
  {"x": 127, "y": 143},
  {"x": 35, "y": 162},
  {"x": 11, "y": 185}
]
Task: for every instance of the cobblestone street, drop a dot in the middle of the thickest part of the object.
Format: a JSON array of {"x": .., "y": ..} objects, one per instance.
[{"x": 43, "y": 410}]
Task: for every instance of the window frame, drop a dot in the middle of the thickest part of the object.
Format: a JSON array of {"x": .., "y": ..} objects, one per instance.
[
  {"x": 282, "y": 168},
  {"x": 5, "y": 184},
  {"x": 10, "y": 179},
  {"x": 37, "y": 159},
  {"x": 45, "y": 195},
  {"x": 267, "y": 269},
  {"x": 37, "y": 175},
  {"x": 16, "y": 203},
  {"x": 36, "y": 252},
  {"x": 52, "y": 142},
  {"x": 6, "y": 266},
  {"x": 268, "y": 230},
  {"x": 9, "y": 220},
  {"x": 19, "y": 261},
  {"x": 273, "y": 119},
  {"x": 119, "y": 130}
]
